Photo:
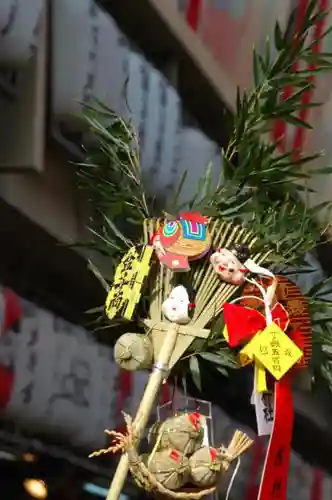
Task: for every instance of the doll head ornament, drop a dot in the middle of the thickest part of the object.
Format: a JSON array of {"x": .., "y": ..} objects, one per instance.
[
  {"x": 229, "y": 263},
  {"x": 233, "y": 264},
  {"x": 179, "y": 306}
]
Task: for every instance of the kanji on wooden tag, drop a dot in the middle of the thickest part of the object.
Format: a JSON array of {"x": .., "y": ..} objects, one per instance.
[
  {"x": 129, "y": 278},
  {"x": 275, "y": 350}
]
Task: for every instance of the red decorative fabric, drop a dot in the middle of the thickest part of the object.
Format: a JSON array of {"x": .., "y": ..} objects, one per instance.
[
  {"x": 193, "y": 13},
  {"x": 243, "y": 322}
]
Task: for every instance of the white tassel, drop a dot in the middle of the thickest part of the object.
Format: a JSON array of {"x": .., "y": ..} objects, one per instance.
[{"x": 256, "y": 269}]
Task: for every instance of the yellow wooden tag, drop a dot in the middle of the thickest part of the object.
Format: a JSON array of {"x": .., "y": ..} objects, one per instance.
[
  {"x": 130, "y": 274},
  {"x": 247, "y": 356},
  {"x": 275, "y": 350},
  {"x": 260, "y": 382}
]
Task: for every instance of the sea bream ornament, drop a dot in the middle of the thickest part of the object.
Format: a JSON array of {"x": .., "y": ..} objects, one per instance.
[{"x": 180, "y": 241}]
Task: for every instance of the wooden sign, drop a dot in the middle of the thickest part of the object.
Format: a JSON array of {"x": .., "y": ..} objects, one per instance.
[
  {"x": 274, "y": 349},
  {"x": 129, "y": 278}
]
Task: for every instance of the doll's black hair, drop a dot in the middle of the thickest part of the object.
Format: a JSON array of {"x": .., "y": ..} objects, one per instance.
[{"x": 241, "y": 252}]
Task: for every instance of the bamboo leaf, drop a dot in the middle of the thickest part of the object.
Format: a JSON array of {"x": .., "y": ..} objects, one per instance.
[
  {"x": 278, "y": 38},
  {"x": 195, "y": 372}
]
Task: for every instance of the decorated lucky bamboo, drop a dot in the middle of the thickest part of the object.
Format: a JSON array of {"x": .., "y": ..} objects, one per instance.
[
  {"x": 179, "y": 313},
  {"x": 224, "y": 303}
]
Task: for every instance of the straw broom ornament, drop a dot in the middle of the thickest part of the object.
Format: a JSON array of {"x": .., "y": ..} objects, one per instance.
[{"x": 174, "y": 320}]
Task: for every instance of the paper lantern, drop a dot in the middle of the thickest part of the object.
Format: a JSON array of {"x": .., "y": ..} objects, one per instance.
[
  {"x": 88, "y": 60},
  {"x": 134, "y": 95},
  {"x": 167, "y": 175},
  {"x": 63, "y": 382},
  {"x": 153, "y": 123},
  {"x": 196, "y": 152},
  {"x": 19, "y": 24}
]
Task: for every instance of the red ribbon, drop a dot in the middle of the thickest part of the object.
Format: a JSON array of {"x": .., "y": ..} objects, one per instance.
[
  {"x": 275, "y": 473},
  {"x": 243, "y": 322}
]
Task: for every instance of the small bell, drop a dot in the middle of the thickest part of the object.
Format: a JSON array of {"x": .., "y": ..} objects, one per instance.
[
  {"x": 169, "y": 467},
  {"x": 184, "y": 433},
  {"x": 205, "y": 467}
]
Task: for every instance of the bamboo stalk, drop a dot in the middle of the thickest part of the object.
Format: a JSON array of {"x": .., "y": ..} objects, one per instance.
[{"x": 156, "y": 379}]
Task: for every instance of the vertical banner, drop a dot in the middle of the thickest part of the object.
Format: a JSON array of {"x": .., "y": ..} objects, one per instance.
[{"x": 275, "y": 473}]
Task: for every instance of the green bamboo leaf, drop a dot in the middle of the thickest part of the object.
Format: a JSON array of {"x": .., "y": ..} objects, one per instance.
[
  {"x": 327, "y": 349},
  {"x": 278, "y": 37},
  {"x": 321, "y": 170},
  {"x": 317, "y": 59},
  {"x": 179, "y": 188},
  {"x": 222, "y": 371},
  {"x": 195, "y": 372},
  {"x": 238, "y": 100},
  {"x": 256, "y": 71},
  {"x": 211, "y": 357},
  {"x": 294, "y": 120}
]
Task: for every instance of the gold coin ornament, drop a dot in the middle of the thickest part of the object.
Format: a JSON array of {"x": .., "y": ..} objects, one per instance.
[
  {"x": 183, "y": 432},
  {"x": 170, "y": 468},
  {"x": 128, "y": 282},
  {"x": 134, "y": 351},
  {"x": 180, "y": 241},
  {"x": 205, "y": 467}
]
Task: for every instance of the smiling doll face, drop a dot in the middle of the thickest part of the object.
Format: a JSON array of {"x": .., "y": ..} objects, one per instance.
[
  {"x": 177, "y": 307},
  {"x": 228, "y": 267}
]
